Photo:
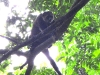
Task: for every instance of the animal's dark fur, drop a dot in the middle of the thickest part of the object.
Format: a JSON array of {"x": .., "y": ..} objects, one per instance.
[{"x": 41, "y": 23}]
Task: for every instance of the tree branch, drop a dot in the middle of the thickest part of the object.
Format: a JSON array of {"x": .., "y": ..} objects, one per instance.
[
  {"x": 10, "y": 39},
  {"x": 19, "y": 53}
]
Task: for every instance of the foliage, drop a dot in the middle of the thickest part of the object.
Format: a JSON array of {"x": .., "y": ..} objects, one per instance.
[
  {"x": 80, "y": 47},
  {"x": 81, "y": 43}
]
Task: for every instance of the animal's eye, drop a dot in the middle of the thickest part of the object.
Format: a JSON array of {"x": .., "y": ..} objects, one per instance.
[{"x": 49, "y": 18}]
